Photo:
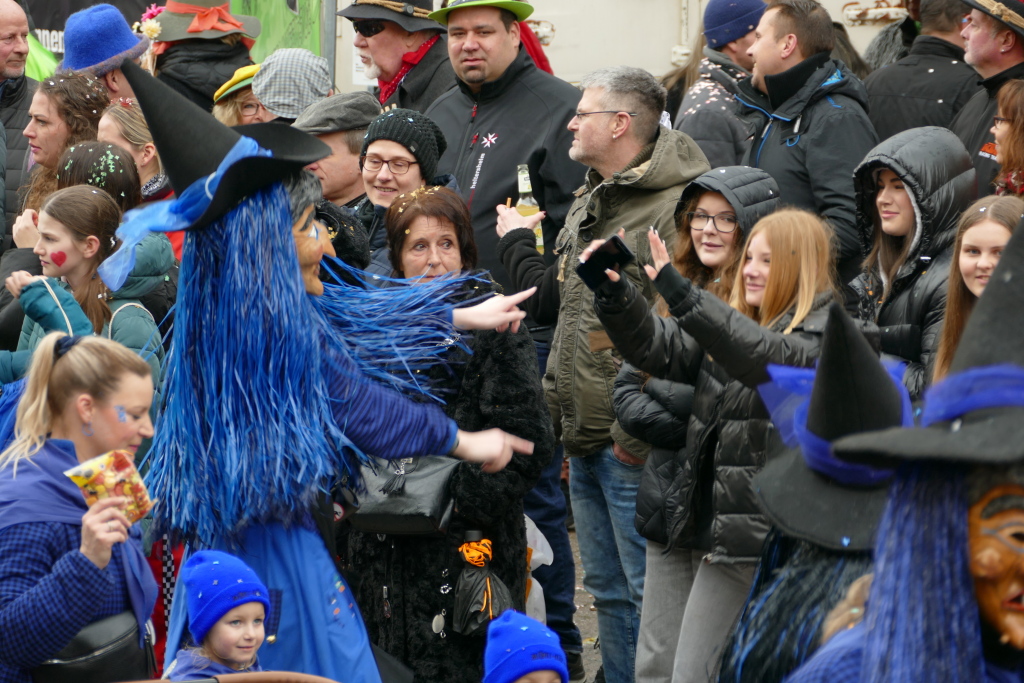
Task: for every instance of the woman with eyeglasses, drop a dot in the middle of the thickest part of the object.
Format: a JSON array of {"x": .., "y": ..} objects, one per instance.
[
  {"x": 1008, "y": 129},
  {"x": 234, "y": 103},
  {"x": 400, "y": 153},
  {"x": 910, "y": 192},
  {"x": 714, "y": 215}
]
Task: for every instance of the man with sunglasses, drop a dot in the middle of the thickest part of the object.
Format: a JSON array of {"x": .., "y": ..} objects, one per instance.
[{"x": 404, "y": 51}]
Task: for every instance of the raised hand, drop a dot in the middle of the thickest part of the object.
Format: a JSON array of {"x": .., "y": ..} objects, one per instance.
[{"x": 498, "y": 313}]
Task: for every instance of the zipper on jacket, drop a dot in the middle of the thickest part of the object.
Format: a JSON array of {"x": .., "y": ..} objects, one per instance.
[{"x": 468, "y": 141}]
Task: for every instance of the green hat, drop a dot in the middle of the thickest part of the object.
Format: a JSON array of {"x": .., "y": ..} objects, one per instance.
[{"x": 520, "y": 8}]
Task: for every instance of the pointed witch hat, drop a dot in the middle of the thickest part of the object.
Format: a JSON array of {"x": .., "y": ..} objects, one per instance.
[
  {"x": 807, "y": 492},
  {"x": 976, "y": 414},
  {"x": 192, "y": 144}
]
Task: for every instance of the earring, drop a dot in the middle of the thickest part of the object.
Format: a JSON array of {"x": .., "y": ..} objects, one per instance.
[{"x": 87, "y": 429}]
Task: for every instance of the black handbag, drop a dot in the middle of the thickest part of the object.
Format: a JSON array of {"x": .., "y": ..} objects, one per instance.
[
  {"x": 408, "y": 497},
  {"x": 105, "y": 651}
]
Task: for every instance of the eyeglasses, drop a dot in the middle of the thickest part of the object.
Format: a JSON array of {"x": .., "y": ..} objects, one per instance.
[
  {"x": 250, "y": 108},
  {"x": 997, "y": 120},
  {"x": 581, "y": 114},
  {"x": 368, "y": 28},
  {"x": 699, "y": 221},
  {"x": 396, "y": 166}
]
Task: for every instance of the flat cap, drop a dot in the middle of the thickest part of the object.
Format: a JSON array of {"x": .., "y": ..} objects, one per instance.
[{"x": 348, "y": 111}]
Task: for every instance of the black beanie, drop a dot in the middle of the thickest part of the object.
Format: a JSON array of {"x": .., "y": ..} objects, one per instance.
[{"x": 415, "y": 132}]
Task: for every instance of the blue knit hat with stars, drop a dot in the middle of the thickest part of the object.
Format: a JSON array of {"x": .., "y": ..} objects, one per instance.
[
  {"x": 518, "y": 645},
  {"x": 729, "y": 20},
  {"x": 215, "y": 584}
]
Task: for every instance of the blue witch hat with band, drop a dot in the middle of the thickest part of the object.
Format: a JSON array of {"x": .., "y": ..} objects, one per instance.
[
  {"x": 974, "y": 415},
  {"x": 808, "y": 492}
]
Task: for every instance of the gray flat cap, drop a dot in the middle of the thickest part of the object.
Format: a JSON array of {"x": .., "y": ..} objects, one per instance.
[{"x": 348, "y": 111}]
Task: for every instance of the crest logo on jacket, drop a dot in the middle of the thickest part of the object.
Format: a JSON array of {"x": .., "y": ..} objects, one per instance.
[{"x": 490, "y": 139}]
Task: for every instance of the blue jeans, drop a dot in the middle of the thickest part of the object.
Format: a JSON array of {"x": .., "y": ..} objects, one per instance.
[
  {"x": 545, "y": 505},
  {"x": 603, "y": 492}
]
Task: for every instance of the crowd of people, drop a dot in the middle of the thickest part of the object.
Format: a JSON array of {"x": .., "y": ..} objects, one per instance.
[{"x": 353, "y": 340}]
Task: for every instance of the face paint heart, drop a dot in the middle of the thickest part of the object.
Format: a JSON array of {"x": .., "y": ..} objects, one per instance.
[{"x": 58, "y": 258}]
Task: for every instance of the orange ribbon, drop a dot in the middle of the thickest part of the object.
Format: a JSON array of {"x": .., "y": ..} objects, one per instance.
[{"x": 207, "y": 18}]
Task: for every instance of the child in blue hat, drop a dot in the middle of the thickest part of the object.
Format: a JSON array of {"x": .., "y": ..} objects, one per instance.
[
  {"x": 523, "y": 650},
  {"x": 227, "y": 604}
]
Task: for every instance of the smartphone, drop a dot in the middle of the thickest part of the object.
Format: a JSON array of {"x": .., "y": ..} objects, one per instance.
[{"x": 612, "y": 253}]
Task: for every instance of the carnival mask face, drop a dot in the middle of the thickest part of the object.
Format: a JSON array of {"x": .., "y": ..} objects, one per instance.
[
  {"x": 996, "y": 543},
  {"x": 311, "y": 243}
]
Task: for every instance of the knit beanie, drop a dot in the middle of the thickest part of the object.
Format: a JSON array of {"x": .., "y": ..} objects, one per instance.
[
  {"x": 518, "y": 645},
  {"x": 729, "y": 20},
  {"x": 215, "y": 584},
  {"x": 414, "y": 131}
]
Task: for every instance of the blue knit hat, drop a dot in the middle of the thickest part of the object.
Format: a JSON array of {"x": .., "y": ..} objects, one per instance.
[
  {"x": 729, "y": 20},
  {"x": 518, "y": 645},
  {"x": 216, "y": 583},
  {"x": 98, "y": 40}
]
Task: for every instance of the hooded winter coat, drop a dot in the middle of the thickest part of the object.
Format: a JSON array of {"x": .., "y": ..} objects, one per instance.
[
  {"x": 583, "y": 363},
  {"x": 709, "y": 111},
  {"x": 937, "y": 173},
  {"x": 402, "y": 579},
  {"x": 657, "y": 411},
  {"x": 811, "y": 130},
  {"x": 725, "y": 355},
  {"x": 197, "y": 68}
]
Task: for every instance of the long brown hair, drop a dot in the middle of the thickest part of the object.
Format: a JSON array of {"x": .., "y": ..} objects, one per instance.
[
  {"x": 94, "y": 366},
  {"x": 1007, "y": 212},
  {"x": 80, "y": 99},
  {"x": 801, "y": 267},
  {"x": 688, "y": 263},
  {"x": 101, "y": 165},
  {"x": 889, "y": 253},
  {"x": 1010, "y": 102},
  {"x": 85, "y": 212}
]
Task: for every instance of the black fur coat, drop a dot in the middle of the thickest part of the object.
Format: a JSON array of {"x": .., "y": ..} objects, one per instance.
[{"x": 497, "y": 386}]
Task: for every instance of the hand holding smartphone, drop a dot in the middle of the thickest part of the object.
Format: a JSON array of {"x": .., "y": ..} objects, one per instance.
[{"x": 613, "y": 254}]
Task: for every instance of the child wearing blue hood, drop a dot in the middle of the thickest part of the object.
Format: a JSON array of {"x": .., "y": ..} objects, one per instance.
[{"x": 227, "y": 604}]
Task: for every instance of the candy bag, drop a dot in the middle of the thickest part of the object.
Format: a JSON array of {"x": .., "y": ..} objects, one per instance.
[{"x": 113, "y": 474}]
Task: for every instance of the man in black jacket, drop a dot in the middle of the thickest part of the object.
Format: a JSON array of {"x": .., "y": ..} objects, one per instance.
[
  {"x": 808, "y": 116},
  {"x": 932, "y": 84},
  {"x": 404, "y": 51},
  {"x": 15, "y": 96},
  {"x": 505, "y": 112},
  {"x": 996, "y": 51}
]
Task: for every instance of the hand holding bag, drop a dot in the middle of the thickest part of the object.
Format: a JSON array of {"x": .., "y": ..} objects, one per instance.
[{"x": 407, "y": 497}]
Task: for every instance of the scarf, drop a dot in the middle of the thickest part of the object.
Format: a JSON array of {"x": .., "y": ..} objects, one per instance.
[
  {"x": 409, "y": 60},
  {"x": 39, "y": 492}
]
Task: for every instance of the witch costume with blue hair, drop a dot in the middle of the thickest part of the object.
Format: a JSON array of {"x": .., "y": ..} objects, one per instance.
[
  {"x": 947, "y": 599},
  {"x": 824, "y": 511},
  {"x": 267, "y": 403}
]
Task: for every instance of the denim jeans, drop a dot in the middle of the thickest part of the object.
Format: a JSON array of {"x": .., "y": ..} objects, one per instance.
[
  {"x": 545, "y": 505},
  {"x": 603, "y": 492}
]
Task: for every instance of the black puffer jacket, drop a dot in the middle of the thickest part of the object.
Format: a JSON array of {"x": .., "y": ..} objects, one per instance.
[
  {"x": 656, "y": 411},
  {"x": 496, "y": 386},
  {"x": 14, "y": 103},
  {"x": 197, "y": 68},
  {"x": 729, "y": 436},
  {"x": 936, "y": 170},
  {"x": 708, "y": 113}
]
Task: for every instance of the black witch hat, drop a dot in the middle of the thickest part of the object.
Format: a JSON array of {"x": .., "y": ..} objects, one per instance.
[
  {"x": 192, "y": 144},
  {"x": 807, "y": 492},
  {"x": 976, "y": 414}
]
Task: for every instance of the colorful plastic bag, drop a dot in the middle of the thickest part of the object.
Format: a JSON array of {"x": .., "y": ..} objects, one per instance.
[{"x": 113, "y": 474}]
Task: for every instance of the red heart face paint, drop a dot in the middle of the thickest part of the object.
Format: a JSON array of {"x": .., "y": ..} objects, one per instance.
[{"x": 58, "y": 258}]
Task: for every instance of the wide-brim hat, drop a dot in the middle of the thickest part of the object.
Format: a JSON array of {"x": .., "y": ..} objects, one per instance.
[
  {"x": 852, "y": 393},
  {"x": 1009, "y": 12},
  {"x": 179, "y": 22},
  {"x": 414, "y": 16},
  {"x": 974, "y": 415},
  {"x": 186, "y": 159},
  {"x": 98, "y": 40},
  {"x": 520, "y": 8}
]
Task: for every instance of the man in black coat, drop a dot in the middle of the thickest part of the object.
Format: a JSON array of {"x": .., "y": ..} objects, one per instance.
[
  {"x": 995, "y": 48},
  {"x": 405, "y": 52},
  {"x": 15, "y": 96},
  {"x": 932, "y": 84},
  {"x": 808, "y": 115}
]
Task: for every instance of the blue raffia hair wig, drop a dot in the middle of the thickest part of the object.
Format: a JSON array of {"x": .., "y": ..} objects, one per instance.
[
  {"x": 796, "y": 586},
  {"x": 922, "y": 618}
]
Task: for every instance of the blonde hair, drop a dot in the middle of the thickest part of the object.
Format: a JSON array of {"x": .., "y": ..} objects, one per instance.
[
  {"x": 228, "y": 109},
  {"x": 801, "y": 267},
  {"x": 93, "y": 366},
  {"x": 127, "y": 114}
]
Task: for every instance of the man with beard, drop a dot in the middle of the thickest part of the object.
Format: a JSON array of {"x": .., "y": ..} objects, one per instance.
[{"x": 404, "y": 52}]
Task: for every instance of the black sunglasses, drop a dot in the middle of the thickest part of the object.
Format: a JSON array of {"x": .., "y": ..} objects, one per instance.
[{"x": 368, "y": 28}]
